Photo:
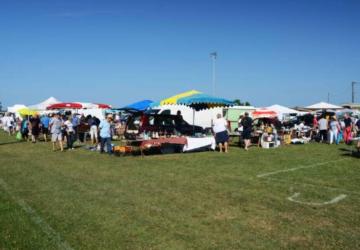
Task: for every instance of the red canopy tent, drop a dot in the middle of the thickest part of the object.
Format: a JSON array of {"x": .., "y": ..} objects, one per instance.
[
  {"x": 65, "y": 105},
  {"x": 264, "y": 113},
  {"x": 78, "y": 105},
  {"x": 103, "y": 106}
]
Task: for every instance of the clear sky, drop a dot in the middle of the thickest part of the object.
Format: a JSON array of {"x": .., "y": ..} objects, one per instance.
[{"x": 118, "y": 52}]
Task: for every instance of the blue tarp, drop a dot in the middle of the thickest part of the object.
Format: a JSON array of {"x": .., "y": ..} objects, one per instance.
[{"x": 140, "y": 106}]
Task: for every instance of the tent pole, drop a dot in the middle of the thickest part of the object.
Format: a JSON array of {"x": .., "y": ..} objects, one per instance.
[{"x": 193, "y": 121}]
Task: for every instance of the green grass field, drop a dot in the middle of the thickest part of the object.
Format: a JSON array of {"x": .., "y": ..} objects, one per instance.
[{"x": 83, "y": 200}]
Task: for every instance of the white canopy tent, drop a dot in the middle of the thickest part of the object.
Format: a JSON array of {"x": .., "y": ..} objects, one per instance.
[
  {"x": 282, "y": 111},
  {"x": 15, "y": 108},
  {"x": 323, "y": 105},
  {"x": 88, "y": 105},
  {"x": 42, "y": 105}
]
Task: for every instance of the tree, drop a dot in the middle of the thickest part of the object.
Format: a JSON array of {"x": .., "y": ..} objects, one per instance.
[{"x": 239, "y": 103}]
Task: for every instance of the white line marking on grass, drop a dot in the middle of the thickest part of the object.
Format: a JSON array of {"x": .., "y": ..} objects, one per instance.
[
  {"x": 311, "y": 185},
  {"x": 297, "y": 168},
  {"x": 46, "y": 228},
  {"x": 335, "y": 200}
]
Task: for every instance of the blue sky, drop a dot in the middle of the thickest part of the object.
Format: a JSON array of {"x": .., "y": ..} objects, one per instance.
[{"x": 118, "y": 52}]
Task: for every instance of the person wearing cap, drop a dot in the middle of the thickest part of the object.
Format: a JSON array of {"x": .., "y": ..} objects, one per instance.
[{"x": 105, "y": 134}]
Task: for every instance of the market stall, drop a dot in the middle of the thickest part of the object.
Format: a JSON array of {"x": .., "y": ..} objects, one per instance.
[
  {"x": 175, "y": 140},
  {"x": 283, "y": 113}
]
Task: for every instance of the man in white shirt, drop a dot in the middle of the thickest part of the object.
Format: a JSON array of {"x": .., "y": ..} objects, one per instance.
[
  {"x": 323, "y": 127},
  {"x": 8, "y": 123},
  {"x": 220, "y": 129}
]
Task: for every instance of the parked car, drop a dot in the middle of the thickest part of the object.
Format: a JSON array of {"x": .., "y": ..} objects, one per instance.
[{"x": 163, "y": 124}]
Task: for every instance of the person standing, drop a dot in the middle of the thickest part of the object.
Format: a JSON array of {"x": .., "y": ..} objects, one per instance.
[
  {"x": 8, "y": 123},
  {"x": 45, "y": 120},
  {"x": 315, "y": 122},
  {"x": 323, "y": 127},
  {"x": 35, "y": 128},
  {"x": 220, "y": 129},
  {"x": 348, "y": 128},
  {"x": 93, "y": 130},
  {"x": 11, "y": 124},
  {"x": 105, "y": 134},
  {"x": 333, "y": 131},
  {"x": 246, "y": 123},
  {"x": 69, "y": 133},
  {"x": 75, "y": 122},
  {"x": 357, "y": 124},
  {"x": 25, "y": 128},
  {"x": 179, "y": 120},
  {"x": 55, "y": 129},
  {"x": 82, "y": 128},
  {"x": 18, "y": 125}
]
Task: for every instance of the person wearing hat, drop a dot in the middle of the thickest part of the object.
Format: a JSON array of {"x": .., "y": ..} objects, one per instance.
[{"x": 105, "y": 134}]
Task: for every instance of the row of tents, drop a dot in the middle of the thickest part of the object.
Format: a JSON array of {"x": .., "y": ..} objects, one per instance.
[
  {"x": 54, "y": 104},
  {"x": 189, "y": 102}
]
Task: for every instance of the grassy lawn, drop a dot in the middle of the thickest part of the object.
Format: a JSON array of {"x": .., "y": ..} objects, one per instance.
[{"x": 83, "y": 200}]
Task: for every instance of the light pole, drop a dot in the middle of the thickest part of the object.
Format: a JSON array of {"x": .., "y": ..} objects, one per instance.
[
  {"x": 213, "y": 56},
  {"x": 353, "y": 91}
]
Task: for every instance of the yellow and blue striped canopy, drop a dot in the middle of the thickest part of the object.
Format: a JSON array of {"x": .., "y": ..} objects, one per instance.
[{"x": 195, "y": 100}]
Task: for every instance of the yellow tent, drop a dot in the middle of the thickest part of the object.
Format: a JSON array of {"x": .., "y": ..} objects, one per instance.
[{"x": 27, "y": 111}]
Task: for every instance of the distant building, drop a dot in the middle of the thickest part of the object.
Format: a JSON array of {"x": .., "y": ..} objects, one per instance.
[{"x": 351, "y": 105}]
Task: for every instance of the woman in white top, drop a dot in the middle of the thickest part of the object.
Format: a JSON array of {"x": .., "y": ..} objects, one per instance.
[
  {"x": 70, "y": 135},
  {"x": 334, "y": 130},
  {"x": 220, "y": 129}
]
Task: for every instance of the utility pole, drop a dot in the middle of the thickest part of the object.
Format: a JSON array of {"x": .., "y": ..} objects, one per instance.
[
  {"x": 328, "y": 99},
  {"x": 353, "y": 91},
  {"x": 213, "y": 56}
]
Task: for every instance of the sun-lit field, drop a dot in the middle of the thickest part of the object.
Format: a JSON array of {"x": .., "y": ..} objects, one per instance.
[{"x": 304, "y": 196}]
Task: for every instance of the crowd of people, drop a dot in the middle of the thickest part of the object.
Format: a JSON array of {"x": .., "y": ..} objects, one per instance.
[
  {"x": 67, "y": 128},
  {"x": 62, "y": 129},
  {"x": 332, "y": 130},
  {"x": 322, "y": 128}
]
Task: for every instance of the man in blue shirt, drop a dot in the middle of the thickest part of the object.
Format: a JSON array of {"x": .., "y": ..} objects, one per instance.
[
  {"x": 105, "y": 134},
  {"x": 45, "y": 120}
]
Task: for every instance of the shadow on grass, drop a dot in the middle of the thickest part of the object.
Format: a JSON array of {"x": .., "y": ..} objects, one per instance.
[
  {"x": 350, "y": 152},
  {"x": 345, "y": 149},
  {"x": 11, "y": 142}
]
